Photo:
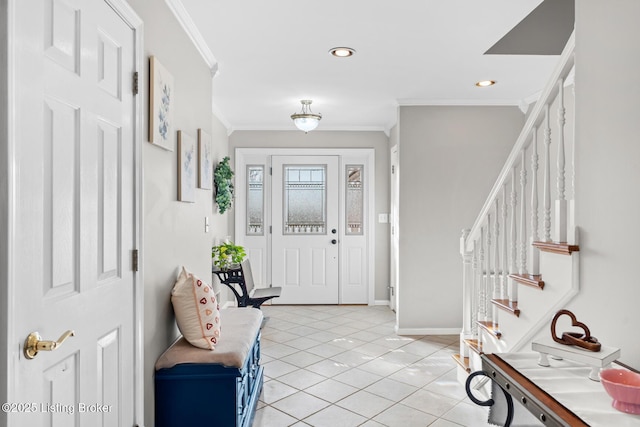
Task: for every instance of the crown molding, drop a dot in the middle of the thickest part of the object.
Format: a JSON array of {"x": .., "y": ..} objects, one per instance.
[
  {"x": 216, "y": 112},
  {"x": 187, "y": 24},
  {"x": 324, "y": 129},
  {"x": 419, "y": 102}
]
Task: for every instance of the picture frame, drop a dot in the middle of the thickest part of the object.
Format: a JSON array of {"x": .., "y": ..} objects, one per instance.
[
  {"x": 161, "y": 106},
  {"x": 205, "y": 161},
  {"x": 186, "y": 167}
]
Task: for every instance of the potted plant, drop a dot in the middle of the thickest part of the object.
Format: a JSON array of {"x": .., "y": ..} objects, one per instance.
[{"x": 227, "y": 254}]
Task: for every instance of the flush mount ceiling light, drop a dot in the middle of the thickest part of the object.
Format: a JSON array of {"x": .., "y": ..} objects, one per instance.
[
  {"x": 485, "y": 83},
  {"x": 306, "y": 120},
  {"x": 342, "y": 52}
]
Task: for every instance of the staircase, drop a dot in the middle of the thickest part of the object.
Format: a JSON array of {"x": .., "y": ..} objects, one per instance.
[{"x": 521, "y": 257}]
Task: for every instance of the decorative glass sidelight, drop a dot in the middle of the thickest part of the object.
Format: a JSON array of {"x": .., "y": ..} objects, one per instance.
[
  {"x": 255, "y": 200},
  {"x": 354, "y": 200},
  {"x": 305, "y": 199}
]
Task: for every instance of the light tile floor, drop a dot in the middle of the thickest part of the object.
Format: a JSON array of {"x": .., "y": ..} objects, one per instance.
[{"x": 343, "y": 366}]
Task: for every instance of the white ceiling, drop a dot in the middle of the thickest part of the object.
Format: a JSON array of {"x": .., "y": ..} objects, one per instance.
[{"x": 272, "y": 54}]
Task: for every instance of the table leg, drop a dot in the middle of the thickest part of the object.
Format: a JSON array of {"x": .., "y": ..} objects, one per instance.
[{"x": 489, "y": 402}]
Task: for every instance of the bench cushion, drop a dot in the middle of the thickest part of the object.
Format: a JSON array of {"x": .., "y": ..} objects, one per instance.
[{"x": 240, "y": 328}]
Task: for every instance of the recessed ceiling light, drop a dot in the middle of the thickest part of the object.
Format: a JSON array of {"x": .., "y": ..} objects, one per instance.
[
  {"x": 485, "y": 83},
  {"x": 342, "y": 52}
]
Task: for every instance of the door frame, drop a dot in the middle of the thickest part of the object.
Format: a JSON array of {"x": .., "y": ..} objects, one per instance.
[
  {"x": 8, "y": 214},
  {"x": 240, "y": 154},
  {"x": 394, "y": 248}
]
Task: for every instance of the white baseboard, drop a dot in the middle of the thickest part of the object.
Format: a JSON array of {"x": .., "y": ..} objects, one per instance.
[
  {"x": 381, "y": 302},
  {"x": 427, "y": 331}
]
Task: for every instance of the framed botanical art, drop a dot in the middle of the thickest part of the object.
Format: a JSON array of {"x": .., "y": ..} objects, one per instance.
[
  {"x": 205, "y": 161},
  {"x": 161, "y": 105},
  {"x": 186, "y": 167}
]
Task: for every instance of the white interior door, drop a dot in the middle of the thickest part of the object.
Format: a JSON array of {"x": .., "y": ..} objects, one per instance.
[
  {"x": 305, "y": 239},
  {"x": 75, "y": 223}
]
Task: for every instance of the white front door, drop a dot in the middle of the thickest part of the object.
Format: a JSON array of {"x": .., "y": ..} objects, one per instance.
[
  {"x": 75, "y": 215},
  {"x": 305, "y": 238}
]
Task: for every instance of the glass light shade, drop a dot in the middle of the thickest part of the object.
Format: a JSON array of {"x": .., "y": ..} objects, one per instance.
[
  {"x": 306, "y": 120},
  {"x": 306, "y": 123}
]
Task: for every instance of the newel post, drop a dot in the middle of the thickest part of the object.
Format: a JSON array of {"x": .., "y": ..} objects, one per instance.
[{"x": 467, "y": 293}]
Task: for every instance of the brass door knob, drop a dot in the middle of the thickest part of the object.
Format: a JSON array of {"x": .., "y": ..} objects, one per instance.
[{"x": 34, "y": 343}]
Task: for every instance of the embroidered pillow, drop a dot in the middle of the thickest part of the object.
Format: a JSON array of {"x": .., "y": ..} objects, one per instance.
[{"x": 197, "y": 310}]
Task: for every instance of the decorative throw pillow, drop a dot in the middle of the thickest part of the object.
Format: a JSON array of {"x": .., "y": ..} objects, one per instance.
[{"x": 197, "y": 310}]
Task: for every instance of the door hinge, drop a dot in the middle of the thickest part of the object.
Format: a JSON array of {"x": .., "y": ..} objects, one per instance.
[
  {"x": 270, "y": 229},
  {"x": 135, "y": 83},
  {"x": 270, "y": 171},
  {"x": 393, "y": 168},
  {"x": 134, "y": 260}
]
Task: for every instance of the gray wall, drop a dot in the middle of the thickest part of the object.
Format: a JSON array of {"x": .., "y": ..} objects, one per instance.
[
  {"x": 449, "y": 160},
  {"x": 173, "y": 231},
  {"x": 335, "y": 139},
  {"x": 607, "y": 172}
]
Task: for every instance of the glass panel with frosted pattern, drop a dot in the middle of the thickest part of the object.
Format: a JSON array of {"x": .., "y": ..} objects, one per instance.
[
  {"x": 355, "y": 200},
  {"x": 305, "y": 199},
  {"x": 255, "y": 200}
]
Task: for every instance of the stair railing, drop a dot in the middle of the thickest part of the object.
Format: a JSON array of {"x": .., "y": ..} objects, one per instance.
[{"x": 512, "y": 209}]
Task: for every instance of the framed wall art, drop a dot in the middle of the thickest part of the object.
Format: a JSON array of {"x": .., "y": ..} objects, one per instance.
[
  {"x": 186, "y": 167},
  {"x": 205, "y": 161},
  {"x": 161, "y": 105}
]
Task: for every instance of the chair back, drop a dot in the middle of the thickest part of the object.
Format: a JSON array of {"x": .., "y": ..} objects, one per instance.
[{"x": 247, "y": 275}]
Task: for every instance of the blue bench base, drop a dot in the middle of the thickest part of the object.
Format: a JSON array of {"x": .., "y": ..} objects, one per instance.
[{"x": 192, "y": 394}]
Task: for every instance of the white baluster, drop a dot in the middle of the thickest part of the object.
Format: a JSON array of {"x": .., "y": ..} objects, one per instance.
[
  {"x": 488, "y": 280},
  {"x": 474, "y": 291},
  {"x": 482, "y": 309},
  {"x": 505, "y": 263},
  {"x": 547, "y": 176},
  {"x": 535, "y": 252},
  {"x": 513, "y": 268},
  {"x": 496, "y": 263},
  {"x": 523, "y": 214},
  {"x": 571, "y": 224},
  {"x": 561, "y": 203}
]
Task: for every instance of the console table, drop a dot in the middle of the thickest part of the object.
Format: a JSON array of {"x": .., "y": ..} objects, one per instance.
[{"x": 559, "y": 395}]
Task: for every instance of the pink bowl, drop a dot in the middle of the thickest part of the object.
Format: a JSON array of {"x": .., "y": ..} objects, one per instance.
[{"x": 624, "y": 387}]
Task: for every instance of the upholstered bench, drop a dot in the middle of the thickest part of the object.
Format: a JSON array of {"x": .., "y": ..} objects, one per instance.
[{"x": 218, "y": 387}]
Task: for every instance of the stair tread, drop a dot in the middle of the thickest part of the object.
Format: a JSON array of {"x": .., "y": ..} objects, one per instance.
[
  {"x": 490, "y": 327},
  {"x": 562, "y": 248},
  {"x": 474, "y": 345},
  {"x": 534, "y": 280},
  {"x": 462, "y": 361},
  {"x": 505, "y": 304}
]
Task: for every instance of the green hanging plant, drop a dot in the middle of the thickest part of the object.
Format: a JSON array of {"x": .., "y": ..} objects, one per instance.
[{"x": 224, "y": 188}]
